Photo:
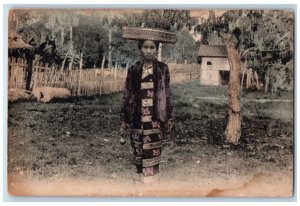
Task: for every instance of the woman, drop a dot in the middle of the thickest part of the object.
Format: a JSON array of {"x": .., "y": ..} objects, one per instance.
[{"x": 147, "y": 103}]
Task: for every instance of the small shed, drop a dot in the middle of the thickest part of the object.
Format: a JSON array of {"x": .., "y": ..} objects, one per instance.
[
  {"x": 214, "y": 62},
  {"x": 15, "y": 41},
  {"x": 17, "y": 47}
]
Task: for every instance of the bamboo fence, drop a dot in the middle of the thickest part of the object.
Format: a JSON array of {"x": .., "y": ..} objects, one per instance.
[
  {"x": 180, "y": 73},
  {"x": 87, "y": 82},
  {"x": 17, "y": 72}
]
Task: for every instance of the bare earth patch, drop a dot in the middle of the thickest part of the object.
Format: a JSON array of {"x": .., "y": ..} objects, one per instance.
[{"x": 72, "y": 147}]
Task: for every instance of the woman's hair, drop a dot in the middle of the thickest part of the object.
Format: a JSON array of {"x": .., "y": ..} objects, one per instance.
[{"x": 141, "y": 42}]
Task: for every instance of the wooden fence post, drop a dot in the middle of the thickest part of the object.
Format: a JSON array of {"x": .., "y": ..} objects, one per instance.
[
  {"x": 243, "y": 76},
  {"x": 36, "y": 71}
]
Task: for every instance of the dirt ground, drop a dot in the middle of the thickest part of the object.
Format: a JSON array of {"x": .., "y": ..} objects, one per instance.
[{"x": 72, "y": 147}]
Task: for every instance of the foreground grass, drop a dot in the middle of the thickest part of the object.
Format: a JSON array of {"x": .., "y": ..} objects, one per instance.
[{"x": 79, "y": 140}]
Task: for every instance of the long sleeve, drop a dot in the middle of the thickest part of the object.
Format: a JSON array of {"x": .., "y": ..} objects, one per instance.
[{"x": 169, "y": 96}]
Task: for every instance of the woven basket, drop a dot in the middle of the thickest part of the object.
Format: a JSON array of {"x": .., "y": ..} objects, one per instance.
[{"x": 149, "y": 34}]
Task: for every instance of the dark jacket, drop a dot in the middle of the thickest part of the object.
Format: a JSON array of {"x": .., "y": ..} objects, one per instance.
[{"x": 162, "y": 101}]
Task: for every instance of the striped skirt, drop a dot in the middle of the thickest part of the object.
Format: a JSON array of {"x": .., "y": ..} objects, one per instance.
[{"x": 146, "y": 144}]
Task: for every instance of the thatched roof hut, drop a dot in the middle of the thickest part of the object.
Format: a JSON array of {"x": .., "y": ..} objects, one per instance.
[{"x": 15, "y": 41}]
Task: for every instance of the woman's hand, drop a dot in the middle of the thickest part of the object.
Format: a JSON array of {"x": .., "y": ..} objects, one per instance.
[
  {"x": 170, "y": 125},
  {"x": 123, "y": 127}
]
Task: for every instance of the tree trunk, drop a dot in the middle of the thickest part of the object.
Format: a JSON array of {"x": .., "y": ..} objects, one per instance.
[
  {"x": 243, "y": 76},
  {"x": 267, "y": 81},
  {"x": 63, "y": 63},
  {"x": 62, "y": 33},
  {"x": 109, "y": 48},
  {"x": 71, "y": 62},
  {"x": 102, "y": 64},
  {"x": 71, "y": 36},
  {"x": 249, "y": 78},
  {"x": 233, "y": 129},
  {"x": 71, "y": 48},
  {"x": 159, "y": 52},
  {"x": 257, "y": 84}
]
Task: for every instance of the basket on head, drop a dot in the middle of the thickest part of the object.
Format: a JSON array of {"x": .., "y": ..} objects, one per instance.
[{"x": 149, "y": 34}]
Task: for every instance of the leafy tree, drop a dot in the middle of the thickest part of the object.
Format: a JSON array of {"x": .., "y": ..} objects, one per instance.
[
  {"x": 168, "y": 19},
  {"x": 185, "y": 49},
  {"x": 90, "y": 38},
  {"x": 226, "y": 30},
  {"x": 248, "y": 32},
  {"x": 125, "y": 52},
  {"x": 98, "y": 36}
]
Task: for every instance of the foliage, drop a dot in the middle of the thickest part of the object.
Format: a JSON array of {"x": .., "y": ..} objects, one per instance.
[
  {"x": 185, "y": 49},
  {"x": 68, "y": 33},
  {"x": 281, "y": 78},
  {"x": 91, "y": 39},
  {"x": 263, "y": 38},
  {"x": 168, "y": 19}
]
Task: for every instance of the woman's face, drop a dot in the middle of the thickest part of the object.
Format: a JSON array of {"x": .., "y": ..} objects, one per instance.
[{"x": 148, "y": 49}]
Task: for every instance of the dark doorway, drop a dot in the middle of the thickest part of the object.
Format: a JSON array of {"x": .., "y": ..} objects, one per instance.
[{"x": 224, "y": 77}]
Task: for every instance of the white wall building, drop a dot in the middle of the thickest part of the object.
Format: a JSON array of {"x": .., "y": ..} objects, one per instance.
[{"x": 214, "y": 62}]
